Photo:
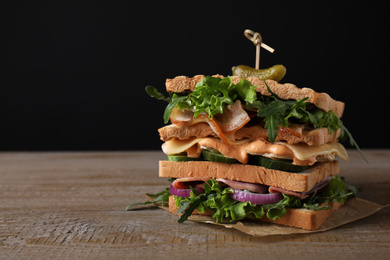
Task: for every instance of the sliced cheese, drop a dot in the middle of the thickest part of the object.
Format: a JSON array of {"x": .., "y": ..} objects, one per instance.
[
  {"x": 303, "y": 151},
  {"x": 176, "y": 146},
  {"x": 302, "y": 154}
]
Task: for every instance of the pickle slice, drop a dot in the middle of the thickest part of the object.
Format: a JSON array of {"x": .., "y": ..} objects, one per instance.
[
  {"x": 215, "y": 157},
  {"x": 276, "y": 164},
  {"x": 182, "y": 158},
  {"x": 275, "y": 72}
]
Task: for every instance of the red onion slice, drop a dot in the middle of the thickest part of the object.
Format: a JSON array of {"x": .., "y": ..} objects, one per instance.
[
  {"x": 254, "y": 198},
  {"x": 185, "y": 193},
  {"x": 254, "y": 187}
]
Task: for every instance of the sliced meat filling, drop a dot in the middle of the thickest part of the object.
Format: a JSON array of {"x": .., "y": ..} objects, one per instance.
[{"x": 185, "y": 183}]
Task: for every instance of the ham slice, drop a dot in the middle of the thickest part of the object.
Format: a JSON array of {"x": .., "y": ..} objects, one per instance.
[
  {"x": 302, "y": 195},
  {"x": 185, "y": 183},
  {"x": 253, "y": 187},
  {"x": 198, "y": 182}
]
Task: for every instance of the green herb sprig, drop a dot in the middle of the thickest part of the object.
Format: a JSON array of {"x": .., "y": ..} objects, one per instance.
[{"x": 160, "y": 198}]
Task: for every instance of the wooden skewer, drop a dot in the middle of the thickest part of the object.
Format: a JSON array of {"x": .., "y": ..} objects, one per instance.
[{"x": 255, "y": 37}]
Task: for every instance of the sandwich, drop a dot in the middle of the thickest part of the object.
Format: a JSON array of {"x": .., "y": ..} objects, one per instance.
[{"x": 252, "y": 149}]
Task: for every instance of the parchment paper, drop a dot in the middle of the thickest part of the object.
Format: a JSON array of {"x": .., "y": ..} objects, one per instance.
[{"x": 352, "y": 210}]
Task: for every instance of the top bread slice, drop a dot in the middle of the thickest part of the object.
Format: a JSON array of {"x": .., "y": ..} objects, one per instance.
[{"x": 285, "y": 91}]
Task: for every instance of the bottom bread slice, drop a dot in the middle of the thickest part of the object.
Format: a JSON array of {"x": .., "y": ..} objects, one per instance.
[{"x": 299, "y": 218}]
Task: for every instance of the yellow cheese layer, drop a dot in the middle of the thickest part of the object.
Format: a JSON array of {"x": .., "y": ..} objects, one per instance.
[{"x": 301, "y": 154}]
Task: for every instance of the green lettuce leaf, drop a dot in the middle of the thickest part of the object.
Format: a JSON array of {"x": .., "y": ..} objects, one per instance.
[
  {"x": 217, "y": 200},
  {"x": 212, "y": 95}
]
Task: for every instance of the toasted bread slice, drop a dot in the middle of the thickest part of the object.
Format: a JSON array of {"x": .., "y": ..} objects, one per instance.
[
  {"x": 299, "y": 218},
  {"x": 299, "y": 182},
  {"x": 319, "y": 136},
  {"x": 284, "y": 91}
]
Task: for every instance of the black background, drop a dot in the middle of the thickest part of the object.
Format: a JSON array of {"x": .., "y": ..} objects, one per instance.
[{"x": 73, "y": 72}]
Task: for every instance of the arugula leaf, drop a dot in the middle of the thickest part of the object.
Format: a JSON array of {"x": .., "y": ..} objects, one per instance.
[
  {"x": 189, "y": 206},
  {"x": 297, "y": 109},
  {"x": 346, "y": 134},
  {"x": 153, "y": 92},
  {"x": 162, "y": 197},
  {"x": 275, "y": 108},
  {"x": 277, "y": 210},
  {"x": 277, "y": 113},
  {"x": 175, "y": 100},
  {"x": 314, "y": 206},
  {"x": 271, "y": 124},
  {"x": 337, "y": 191},
  {"x": 159, "y": 198}
]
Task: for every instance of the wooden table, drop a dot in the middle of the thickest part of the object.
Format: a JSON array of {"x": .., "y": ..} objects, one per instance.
[{"x": 71, "y": 205}]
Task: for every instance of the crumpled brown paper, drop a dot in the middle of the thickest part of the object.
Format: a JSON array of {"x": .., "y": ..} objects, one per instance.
[{"x": 352, "y": 210}]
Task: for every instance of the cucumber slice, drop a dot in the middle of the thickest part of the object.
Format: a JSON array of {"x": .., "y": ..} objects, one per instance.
[
  {"x": 276, "y": 164},
  {"x": 182, "y": 158},
  {"x": 215, "y": 157}
]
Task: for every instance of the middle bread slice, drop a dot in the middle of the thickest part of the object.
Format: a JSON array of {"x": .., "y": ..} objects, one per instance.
[{"x": 299, "y": 182}]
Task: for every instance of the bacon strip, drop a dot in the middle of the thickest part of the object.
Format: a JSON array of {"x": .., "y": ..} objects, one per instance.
[
  {"x": 234, "y": 118},
  {"x": 273, "y": 189},
  {"x": 214, "y": 125},
  {"x": 181, "y": 118},
  {"x": 290, "y": 131},
  {"x": 224, "y": 125}
]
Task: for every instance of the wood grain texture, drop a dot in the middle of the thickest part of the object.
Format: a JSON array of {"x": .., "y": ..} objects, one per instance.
[{"x": 72, "y": 205}]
